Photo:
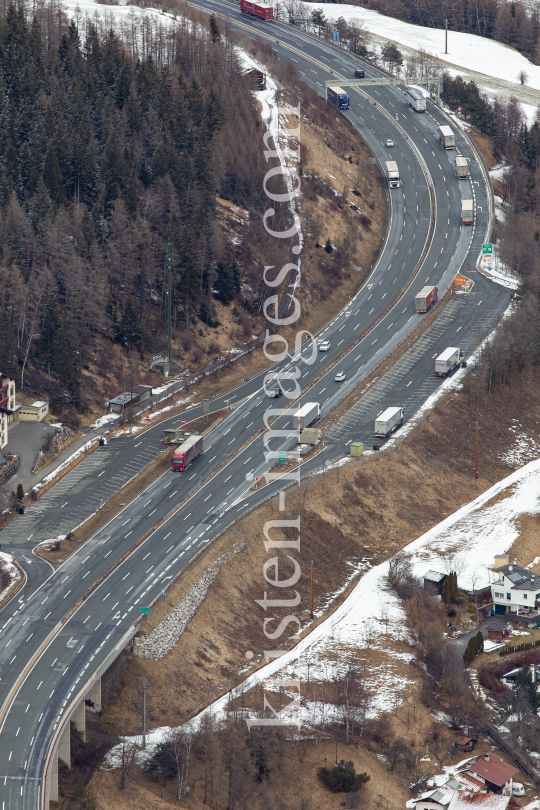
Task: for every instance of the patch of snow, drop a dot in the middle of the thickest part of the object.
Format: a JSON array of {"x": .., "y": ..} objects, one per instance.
[
  {"x": 175, "y": 404},
  {"x": 13, "y": 571},
  {"x": 524, "y": 449},
  {"x": 499, "y": 172},
  {"x": 498, "y": 271},
  {"x": 104, "y": 420}
]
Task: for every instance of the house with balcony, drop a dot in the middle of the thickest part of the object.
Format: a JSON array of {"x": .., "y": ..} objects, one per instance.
[
  {"x": 516, "y": 594},
  {"x": 7, "y": 406}
]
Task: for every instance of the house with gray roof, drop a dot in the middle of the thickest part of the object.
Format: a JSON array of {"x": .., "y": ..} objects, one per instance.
[{"x": 517, "y": 593}]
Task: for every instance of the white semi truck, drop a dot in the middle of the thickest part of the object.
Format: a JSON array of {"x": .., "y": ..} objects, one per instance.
[
  {"x": 462, "y": 167},
  {"x": 393, "y": 174},
  {"x": 415, "y": 99},
  {"x": 388, "y": 421},
  {"x": 446, "y": 137},
  {"x": 448, "y": 361},
  {"x": 306, "y": 416}
]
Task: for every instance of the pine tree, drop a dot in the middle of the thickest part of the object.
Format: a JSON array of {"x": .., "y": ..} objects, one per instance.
[
  {"x": 447, "y": 591},
  {"x": 52, "y": 176},
  {"x": 215, "y": 33},
  {"x": 8, "y": 345},
  {"x": 130, "y": 327},
  {"x": 227, "y": 282}
]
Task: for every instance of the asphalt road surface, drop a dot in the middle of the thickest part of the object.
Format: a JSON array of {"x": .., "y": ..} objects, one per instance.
[{"x": 86, "y": 606}]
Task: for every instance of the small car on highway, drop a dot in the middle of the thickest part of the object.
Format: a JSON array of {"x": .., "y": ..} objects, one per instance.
[
  {"x": 390, "y": 142},
  {"x": 340, "y": 376},
  {"x": 323, "y": 345},
  {"x": 274, "y": 389},
  {"x": 359, "y": 74}
]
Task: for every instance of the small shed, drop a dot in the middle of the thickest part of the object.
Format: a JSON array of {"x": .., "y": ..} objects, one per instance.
[
  {"x": 255, "y": 79},
  {"x": 496, "y": 632},
  {"x": 34, "y": 412},
  {"x": 434, "y": 581},
  {"x": 466, "y": 744},
  {"x": 356, "y": 448},
  {"x": 144, "y": 392},
  {"x": 124, "y": 400}
]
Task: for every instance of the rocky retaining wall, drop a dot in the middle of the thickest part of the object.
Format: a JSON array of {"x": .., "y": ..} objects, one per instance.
[{"x": 163, "y": 637}]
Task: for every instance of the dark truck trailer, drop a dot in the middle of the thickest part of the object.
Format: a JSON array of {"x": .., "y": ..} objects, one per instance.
[
  {"x": 189, "y": 450},
  {"x": 339, "y": 97},
  {"x": 264, "y": 11}
]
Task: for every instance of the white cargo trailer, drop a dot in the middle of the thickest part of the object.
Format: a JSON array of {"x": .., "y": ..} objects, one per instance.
[
  {"x": 415, "y": 99},
  {"x": 393, "y": 174},
  {"x": 306, "y": 416},
  {"x": 388, "y": 421},
  {"x": 462, "y": 167},
  {"x": 446, "y": 137},
  {"x": 467, "y": 212},
  {"x": 448, "y": 361}
]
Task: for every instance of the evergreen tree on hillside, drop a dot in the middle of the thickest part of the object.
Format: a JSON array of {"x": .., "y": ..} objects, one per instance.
[
  {"x": 84, "y": 125},
  {"x": 8, "y": 345},
  {"x": 58, "y": 348},
  {"x": 227, "y": 282},
  {"x": 215, "y": 33}
]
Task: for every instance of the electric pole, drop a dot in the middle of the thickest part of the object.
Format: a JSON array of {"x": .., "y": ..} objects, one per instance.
[
  {"x": 446, "y": 35},
  {"x": 168, "y": 306},
  {"x": 144, "y": 687}
]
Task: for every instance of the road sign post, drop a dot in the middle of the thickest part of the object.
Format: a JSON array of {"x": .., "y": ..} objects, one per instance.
[
  {"x": 282, "y": 458},
  {"x": 146, "y": 610},
  {"x": 487, "y": 249}
]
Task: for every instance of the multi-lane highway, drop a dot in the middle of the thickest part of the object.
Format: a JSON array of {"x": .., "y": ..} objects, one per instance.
[{"x": 68, "y": 623}]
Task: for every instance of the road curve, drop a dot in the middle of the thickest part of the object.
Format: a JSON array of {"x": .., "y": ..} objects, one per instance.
[{"x": 69, "y": 624}]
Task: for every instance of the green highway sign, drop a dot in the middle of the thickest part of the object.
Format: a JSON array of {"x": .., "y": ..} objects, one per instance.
[
  {"x": 146, "y": 610},
  {"x": 281, "y": 458},
  {"x": 487, "y": 249}
]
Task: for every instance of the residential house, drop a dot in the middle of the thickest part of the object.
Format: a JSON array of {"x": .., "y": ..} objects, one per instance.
[
  {"x": 510, "y": 678},
  {"x": 437, "y": 799},
  {"x": 516, "y": 594},
  {"x": 481, "y": 801},
  {"x": 7, "y": 406},
  {"x": 493, "y": 772}
]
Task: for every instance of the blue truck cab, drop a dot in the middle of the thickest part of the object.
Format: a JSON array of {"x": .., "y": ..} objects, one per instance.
[{"x": 338, "y": 96}]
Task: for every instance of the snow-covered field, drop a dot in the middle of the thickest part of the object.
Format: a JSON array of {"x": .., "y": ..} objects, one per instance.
[{"x": 464, "y": 50}]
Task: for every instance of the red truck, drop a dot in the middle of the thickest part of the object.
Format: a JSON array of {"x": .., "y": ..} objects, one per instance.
[
  {"x": 426, "y": 298},
  {"x": 264, "y": 11},
  {"x": 188, "y": 451}
]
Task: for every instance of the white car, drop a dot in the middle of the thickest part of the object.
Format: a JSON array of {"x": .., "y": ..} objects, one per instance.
[
  {"x": 518, "y": 789},
  {"x": 340, "y": 376},
  {"x": 390, "y": 142},
  {"x": 324, "y": 345}
]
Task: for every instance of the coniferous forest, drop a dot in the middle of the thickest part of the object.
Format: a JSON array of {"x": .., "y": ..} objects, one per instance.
[{"x": 104, "y": 157}]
